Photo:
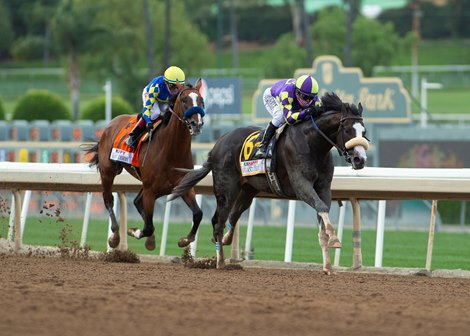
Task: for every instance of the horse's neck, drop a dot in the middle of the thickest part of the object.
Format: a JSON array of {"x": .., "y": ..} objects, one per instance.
[
  {"x": 328, "y": 125},
  {"x": 175, "y": 136}
]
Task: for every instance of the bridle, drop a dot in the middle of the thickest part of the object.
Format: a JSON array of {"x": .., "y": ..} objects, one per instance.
[
  {"x": 344, "y": 150},
  {"x": 189, "y": 112}
]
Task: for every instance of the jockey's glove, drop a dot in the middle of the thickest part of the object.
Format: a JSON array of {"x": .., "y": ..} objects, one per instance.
[
  {"x": 149, "y": 126},
  {"x": 314, "y": 110}
]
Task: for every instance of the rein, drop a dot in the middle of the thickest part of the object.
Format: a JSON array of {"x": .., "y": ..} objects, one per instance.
[{"x": 341, "y": 151}]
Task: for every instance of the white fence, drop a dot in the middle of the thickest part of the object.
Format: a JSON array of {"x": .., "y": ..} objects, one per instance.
[{"x": 368, "y": 184}]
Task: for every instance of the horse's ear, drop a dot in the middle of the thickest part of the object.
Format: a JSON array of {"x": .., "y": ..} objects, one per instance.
[
  {"x": 359, "y": 108},
  {"x": 199, "y": 85}
]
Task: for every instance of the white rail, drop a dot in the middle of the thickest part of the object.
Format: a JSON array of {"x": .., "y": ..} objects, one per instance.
[{"x": 366, "y": 184}]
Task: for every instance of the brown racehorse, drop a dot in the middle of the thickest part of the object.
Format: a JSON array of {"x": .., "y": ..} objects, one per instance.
[{"x": 168, "y": 148}]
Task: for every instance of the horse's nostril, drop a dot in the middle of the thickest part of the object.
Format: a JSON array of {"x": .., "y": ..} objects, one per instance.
[{"x": 358, "y": 162}]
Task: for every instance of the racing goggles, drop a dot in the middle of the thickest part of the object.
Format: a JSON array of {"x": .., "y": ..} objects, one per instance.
[
  {"x": 171, "y": 86},
  {"x": 304, "y": 99}
]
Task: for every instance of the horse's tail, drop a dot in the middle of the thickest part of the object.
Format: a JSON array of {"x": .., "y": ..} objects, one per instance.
[
  {"x": 190, "y": 180},
  {"x": 91, "y": 153}
]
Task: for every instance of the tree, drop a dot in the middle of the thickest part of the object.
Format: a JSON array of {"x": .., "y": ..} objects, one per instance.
[
  {"x": 352, "y": 8},
  {"x": 288, "y": 57},
  {"x": 35, "y": 43},
  {"x": 375, "y": 42},
  {"x": 328, "y": 32},
  {"x": 123, "y": 56},
  {"x": 76, "y": 33},
  {"x": 6, "y": 30}
]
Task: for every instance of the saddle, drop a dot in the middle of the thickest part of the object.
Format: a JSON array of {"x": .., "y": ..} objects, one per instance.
[
  {"x": 121, "y": 152},
  {"x": 250, "y": 167}
]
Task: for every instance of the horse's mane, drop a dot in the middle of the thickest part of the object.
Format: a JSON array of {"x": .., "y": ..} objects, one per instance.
[
  {"x": 331, "y": 102},
  {"x": 167, "y": 116}
]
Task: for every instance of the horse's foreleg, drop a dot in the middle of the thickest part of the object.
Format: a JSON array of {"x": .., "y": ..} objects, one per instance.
[
  {"x": 145, "y": 202},
  {"x": 139, "y": 204},
  {"x": 323, "y": 239},
  {"x": 190, "y": 200},
  {"x": 327, "y": 239},
  {"x": 333, "y": 241}
]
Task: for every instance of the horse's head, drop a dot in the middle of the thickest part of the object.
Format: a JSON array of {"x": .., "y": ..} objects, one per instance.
[
  {"x": 189, "y": 106},
  {"x": 351, "y": 134},
  {"x": 351, "y": 141}
]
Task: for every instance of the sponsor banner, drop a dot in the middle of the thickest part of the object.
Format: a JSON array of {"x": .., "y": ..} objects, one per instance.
[{"x": 222, "y": 95}]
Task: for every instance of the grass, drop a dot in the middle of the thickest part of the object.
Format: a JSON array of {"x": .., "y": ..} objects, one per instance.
[{"x": 401, "y": 248}]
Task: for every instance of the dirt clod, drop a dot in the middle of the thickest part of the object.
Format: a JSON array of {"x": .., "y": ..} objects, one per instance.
[{"x": 118, "y": 256}]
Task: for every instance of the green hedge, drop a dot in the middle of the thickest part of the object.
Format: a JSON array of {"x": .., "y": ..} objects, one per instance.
[
  {"x": 96, "y": 109},
  {"x": 41, "y": 104}
]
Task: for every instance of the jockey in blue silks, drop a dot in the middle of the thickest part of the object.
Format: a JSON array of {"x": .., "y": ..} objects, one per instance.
[
  {"x": 288, "y": 101},
  {"x": 155, "y": 98}
]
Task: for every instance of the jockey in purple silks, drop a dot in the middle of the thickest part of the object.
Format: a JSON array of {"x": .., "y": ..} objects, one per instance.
[
  {"x": 155, "y": 99},
  {"x": 288, "y": 101}
]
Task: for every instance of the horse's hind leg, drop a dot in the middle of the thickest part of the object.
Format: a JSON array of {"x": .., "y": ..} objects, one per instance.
[
  {"x": 190, "y": 200},
  {"x": 107, "y": 180},
  {"x": 225, "y": 203},
  {"x": 243, "y": 202}
]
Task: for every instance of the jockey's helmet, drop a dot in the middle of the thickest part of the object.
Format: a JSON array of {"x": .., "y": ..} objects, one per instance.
[
  {"x": 306, "y": 88},
  {"x": 174, "y": 75}
]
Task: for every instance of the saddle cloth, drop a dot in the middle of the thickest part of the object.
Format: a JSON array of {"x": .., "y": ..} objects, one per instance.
[
  {"x": 250, "y": 167},
  {"x": 121, "y": 151}
]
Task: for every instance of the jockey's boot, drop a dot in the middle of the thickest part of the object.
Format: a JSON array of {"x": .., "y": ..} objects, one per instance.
[
  {"x": 263, "y": 148},
  {"x": 136, "y": 133}
]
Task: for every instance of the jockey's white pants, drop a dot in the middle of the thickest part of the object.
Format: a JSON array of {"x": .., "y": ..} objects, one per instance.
[
  {"x": 273, "y": 108},
  {"x": 157, "y": 107}
]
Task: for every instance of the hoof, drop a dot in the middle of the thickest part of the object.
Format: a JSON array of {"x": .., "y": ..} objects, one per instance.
[
  {"x": 114, "y": 240},
  {"x": 227, "y": 240},
  {"x": 221, "y": 265},
  {"x": 150, "y": 243},
  {"x": 334, "y": 242},
  {"x": 134, "y": 232},
  {"x": 236, "y": 260},
  {"x": 184, "y": 241},
  {"x": 328, "y": 270}
]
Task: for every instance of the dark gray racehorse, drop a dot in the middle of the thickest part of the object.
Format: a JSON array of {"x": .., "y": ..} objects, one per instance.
[{"x": 304, "y": 168}]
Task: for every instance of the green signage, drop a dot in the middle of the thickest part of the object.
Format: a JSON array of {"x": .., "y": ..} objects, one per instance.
[{"x": 384, "y": 99}]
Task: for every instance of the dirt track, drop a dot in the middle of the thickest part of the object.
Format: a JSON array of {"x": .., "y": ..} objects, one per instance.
[{"x": 53, "y": 296}]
